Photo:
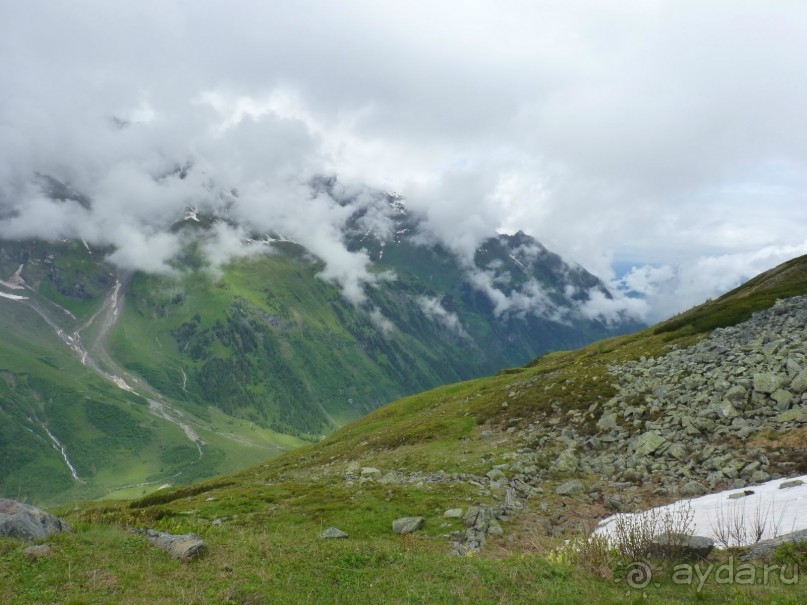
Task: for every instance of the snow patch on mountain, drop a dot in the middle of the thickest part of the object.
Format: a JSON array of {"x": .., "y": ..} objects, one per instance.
[{"x": 774, "y": 508}]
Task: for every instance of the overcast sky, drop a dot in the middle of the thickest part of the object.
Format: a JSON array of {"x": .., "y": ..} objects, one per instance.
[{"x": 660, "y": 144}]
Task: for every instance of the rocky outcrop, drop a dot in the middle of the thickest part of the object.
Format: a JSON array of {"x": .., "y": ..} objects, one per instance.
[
  {"x": 480, "y": 522},
  {"x": 26, "y": 522}
]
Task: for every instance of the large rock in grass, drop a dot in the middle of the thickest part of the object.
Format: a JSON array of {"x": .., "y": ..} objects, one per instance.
[
  {"x": 333, "y": 533},
  {"x": 26, "y": 522},
  {"x": 184, "y": 546},
  {"x": 407, "y": 525},
  {"x": 768, "y": 547},
  {"x": 676, "y": 546}
]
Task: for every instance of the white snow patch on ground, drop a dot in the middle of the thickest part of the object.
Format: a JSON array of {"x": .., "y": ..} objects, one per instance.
[
  {"x": 781, "y": 511},
  {"x": 13, "y": 296}
]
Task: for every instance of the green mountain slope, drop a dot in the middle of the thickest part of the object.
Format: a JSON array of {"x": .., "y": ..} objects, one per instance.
[
  {"x": 455, "y": 446},
  {"x": 146, "y": 380}
]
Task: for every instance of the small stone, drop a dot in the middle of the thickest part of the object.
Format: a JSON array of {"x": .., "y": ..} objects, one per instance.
[
  {"x": 569, "y": 488},
  {"x": 567, "y": 462},
  {"x": 742, "y": 494},
  {"x": 766, "y": 382},
  {"x": 789, "y": 484},
  {"x": 631, "y": 475},
  {"x": 799, "y": 384},
  {"x": 752, "y": 467},
  {"x": 333, "y": 533},
  {"x": 737, "y": 394},
  {"x": 494, "y": 474},
  {"x": 494, "y": 529},
  {"x": 646, "y": 443},
  {"x": 368, "y": 472},
  {"x": 759, "y": 477},
  {"x": 727, "y": 410},
  {"x": 793, "y": 415},
  {"x": 678, "y": 451},
  {"x": 183, "y": 546},
  {"x": 453, "y": 513},
  {"x": 407, "y": 525},
  {"x": 472, "y": 515},
  {"x": 771, "y": 348},
  {"x": 692, "y": 488},
  {"x": 607, "y": 422},
  {"x": 37, "y": 552},
  {"x": 783, "y": 399}
]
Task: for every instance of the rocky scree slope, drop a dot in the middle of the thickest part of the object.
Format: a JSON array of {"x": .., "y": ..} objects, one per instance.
[{"x": 709, "y": 416}]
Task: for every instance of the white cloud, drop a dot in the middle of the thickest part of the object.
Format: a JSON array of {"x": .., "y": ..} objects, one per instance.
[
  {"x": 433, "y": 309},
  {"x": 669, "y": 289},
  {"x": 664, "y": 133},
  {"x": 615, "y": 309},
  {"x": 380, "y": 321}
]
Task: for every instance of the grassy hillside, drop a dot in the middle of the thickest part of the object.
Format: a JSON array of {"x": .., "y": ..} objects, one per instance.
[
  {"x": 50, "y": 400},
  {"x": 432, "y": 451}
]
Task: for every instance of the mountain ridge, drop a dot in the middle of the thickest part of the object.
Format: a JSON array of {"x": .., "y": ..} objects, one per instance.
[{"x": 265, "y": 344}]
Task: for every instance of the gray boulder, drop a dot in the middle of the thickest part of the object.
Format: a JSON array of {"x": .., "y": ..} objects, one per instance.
[
  {"x": 453, "y": 513},
  {"x": 737, "y": 394},
  {"x": 407, "y": 525},
  {"x": 783, "y": 399},
  {"x": 743, "y": 494},
  {"x": 473, "y": 515},
  {"x": 567, "y": 462},
  {"x": 495, "y": 474},
  {"x": 767, "y": 547},
  {"x": 607, "y": 422},
  {"x": 692, "y": 488},
  {"x": 569, "y": 488},
  {"x": 37, "y": 551},
  {"x": 26, "y": 522},
  {"x": 766, "y": 382},
  {"x": 333, "y": 533},
  {"x": 184, "y": 546},
  {"x": 793, "y": 415},
  {"x": 494, "y": 529},
  {"x": 677, "y": 546},
  {"x": 799, "y": 384},
  {"x": 646, "y": 443}
]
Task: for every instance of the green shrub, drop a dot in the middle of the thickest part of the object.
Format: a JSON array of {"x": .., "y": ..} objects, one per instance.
[{"x": 792, "y": 553}]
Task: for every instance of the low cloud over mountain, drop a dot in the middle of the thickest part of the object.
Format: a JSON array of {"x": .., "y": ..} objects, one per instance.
[{"x": 667, "y": 135}]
